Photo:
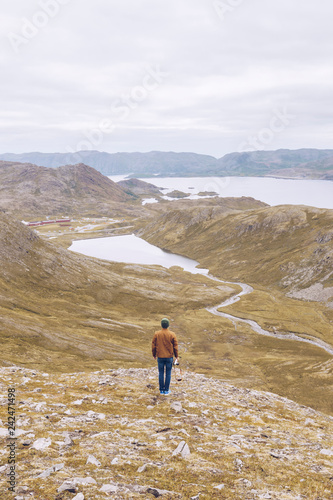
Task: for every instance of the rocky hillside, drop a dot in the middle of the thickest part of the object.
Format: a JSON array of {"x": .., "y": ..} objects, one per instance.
[
  {"x": 301, "y": 163},
  {"x": 297, "y": 164},
  {"x": 324, "y": 165},
  {"x": 201, "y": 207},
  {"x": 110, "y": 434},
  {"x": 290, "y": 247},
  {"x": 59, "y": 308},
  {"x": 139, "y": 188},
  {"x": 27, "y": 189}
]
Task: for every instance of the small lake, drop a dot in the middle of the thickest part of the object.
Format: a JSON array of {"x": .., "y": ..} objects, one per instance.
[
  {"x": 315, "y": 193},
  {"x": 133, "y": 250}
]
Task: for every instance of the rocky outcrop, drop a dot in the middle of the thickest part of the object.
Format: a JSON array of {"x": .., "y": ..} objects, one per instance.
[
  {"x": 138, "y": 187},
  {"x": 178, "y": 194},
  {"x": 125, "y": 441}
]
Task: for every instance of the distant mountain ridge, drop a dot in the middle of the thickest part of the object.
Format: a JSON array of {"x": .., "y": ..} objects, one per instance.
[{"x": 285, "y": 163}]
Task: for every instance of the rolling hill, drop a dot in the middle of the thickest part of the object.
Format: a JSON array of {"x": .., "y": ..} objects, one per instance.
[{"x": 28, "y": 189}]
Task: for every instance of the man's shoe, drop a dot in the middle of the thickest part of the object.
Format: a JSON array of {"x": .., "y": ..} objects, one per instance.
[
  {"x": 162, "y": 392},
  {"x": 166, "y": 392}
]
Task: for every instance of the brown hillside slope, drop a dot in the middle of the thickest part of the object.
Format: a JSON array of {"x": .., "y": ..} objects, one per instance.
[
  {"x": 26, "y": 190},
  {"x": 208, "y": 207},
  {"x": 289, "y": 247},
  {"x": 63, "y": 311}
]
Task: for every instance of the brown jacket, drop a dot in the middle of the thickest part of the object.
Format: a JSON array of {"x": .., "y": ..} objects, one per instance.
[{"x": 165, "y": 344}]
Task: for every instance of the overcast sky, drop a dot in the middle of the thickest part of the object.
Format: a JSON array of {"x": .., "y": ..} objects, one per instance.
[{"x": 205, "y": 76}]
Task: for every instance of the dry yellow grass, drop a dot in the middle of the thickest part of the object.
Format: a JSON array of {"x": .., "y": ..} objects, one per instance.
[{"x": 252, "y": 443}]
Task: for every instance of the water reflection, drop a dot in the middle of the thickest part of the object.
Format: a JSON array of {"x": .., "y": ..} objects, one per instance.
[{"x": 133, "y": 250}]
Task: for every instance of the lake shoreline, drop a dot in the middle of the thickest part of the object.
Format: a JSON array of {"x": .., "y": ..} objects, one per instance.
[{"x": 271, "y": 190}]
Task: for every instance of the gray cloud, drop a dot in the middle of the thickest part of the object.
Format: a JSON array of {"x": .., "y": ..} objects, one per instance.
[{"x": 195, "y": 75}]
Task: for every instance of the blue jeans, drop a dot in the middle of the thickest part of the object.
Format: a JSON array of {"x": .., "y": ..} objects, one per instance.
[{"x": 164, "y": 364}]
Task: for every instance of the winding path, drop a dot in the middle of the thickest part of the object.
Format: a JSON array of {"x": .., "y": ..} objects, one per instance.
[{"x": 246, "y": 289}]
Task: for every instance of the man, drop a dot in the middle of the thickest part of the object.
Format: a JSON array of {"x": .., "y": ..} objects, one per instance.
[{"x": 164, "y": 347}]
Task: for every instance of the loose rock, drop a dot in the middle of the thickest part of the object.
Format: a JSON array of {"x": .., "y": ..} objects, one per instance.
[
  {"x": 49, "y": 471},
  {"x": 41, "y": 444},
  {"x": 182, "y": 449},
  {"x": 92, "y": 460},
  {"x": 67, "y": 486},
  {"x": 109, "y": 488},
  {"x": 79, "y": 496},
  {"x": 176, "y": 406}
]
